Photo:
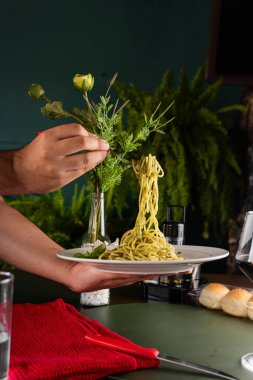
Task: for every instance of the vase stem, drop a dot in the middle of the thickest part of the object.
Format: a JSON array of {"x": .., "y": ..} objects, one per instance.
[{"x": 96, "y": 231}]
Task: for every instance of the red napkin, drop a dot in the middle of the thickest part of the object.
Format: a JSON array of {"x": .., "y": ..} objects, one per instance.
[{"x": 48, "y": 343}]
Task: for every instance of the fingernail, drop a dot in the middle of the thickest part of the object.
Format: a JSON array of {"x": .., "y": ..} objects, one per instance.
[{"x": 105, "y": 144}]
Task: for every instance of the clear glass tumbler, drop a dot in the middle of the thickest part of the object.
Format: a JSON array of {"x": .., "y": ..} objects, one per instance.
[
  {"x": 6, "y": 293},
  {"x": 244, "y": 259}
]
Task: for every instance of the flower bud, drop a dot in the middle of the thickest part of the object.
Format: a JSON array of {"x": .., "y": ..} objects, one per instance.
[
  {"x": 36, "y": 91},
  {"x": 83, "y": 83}
]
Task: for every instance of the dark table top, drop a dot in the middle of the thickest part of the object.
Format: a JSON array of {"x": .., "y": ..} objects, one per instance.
[
  {"x": 31, "y": 288},
  {"x": 193, "y": 333}
]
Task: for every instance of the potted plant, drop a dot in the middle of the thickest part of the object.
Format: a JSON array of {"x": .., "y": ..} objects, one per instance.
[
  {"x": 200, "y": 153},
  {"x": 104, "y": 120}
]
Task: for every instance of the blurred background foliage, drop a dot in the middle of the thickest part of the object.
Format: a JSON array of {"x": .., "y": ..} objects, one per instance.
[
  {"x": 64, "y": 222},
  {"x": 199, "y": 153}
]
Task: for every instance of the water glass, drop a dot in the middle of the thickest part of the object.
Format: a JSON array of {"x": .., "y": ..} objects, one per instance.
[
  {"x": 244, "y": 254},
  {"x": 6, "y": 292}
]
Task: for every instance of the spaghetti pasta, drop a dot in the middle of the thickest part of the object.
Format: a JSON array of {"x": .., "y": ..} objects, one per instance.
[{"x": 145, "y": 241}]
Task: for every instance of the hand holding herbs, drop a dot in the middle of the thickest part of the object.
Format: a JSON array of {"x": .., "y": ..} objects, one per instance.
[
  {"x": 103, "y": 119},
  {"x": 48, "y": 163}
]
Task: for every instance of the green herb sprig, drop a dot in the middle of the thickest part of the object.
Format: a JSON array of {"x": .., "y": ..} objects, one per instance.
[
  {"x": 94, "y": 254},
  {"x": 104, "y": 119}
]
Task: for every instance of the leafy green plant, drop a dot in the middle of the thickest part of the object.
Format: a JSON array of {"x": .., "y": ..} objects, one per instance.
[
  {"x": 199, "y": 152},
  {"x": 63, "y": 223},
  {"x": 104, "y": 120}
]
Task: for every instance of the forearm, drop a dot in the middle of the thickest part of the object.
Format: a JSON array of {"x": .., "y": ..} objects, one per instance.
[
  {"x": 25, "y": 246},
  {"x": 9, "y": 181}
]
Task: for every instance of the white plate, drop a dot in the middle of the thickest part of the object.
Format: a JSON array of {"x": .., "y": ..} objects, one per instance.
[{"x": 193, "y": 256}]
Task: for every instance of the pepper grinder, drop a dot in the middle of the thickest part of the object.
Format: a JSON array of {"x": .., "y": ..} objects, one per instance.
[
  {"x": 173, "y": 288},
  {"x": 173, "y": 227},
  {"x": 174, "y": 232}
]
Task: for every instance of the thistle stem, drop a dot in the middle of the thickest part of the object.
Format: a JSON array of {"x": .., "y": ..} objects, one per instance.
[
  {"x": 74, "y": 117},
  {"x": 47, "y": 99},
  {"x": 164, "y": 111},
  {"x": 87, "y": 101},
  {"x": 111, "y": 83}
]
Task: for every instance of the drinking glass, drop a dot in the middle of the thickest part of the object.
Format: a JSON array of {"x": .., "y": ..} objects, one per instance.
[
  {"x": 6, "y": 291},
  {"x": 244, "y": 259}
]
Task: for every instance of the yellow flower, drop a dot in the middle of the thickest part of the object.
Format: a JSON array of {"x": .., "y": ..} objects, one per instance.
[
  {"x": 83, "y": 83},
  {"x": 36, "y": 91}
]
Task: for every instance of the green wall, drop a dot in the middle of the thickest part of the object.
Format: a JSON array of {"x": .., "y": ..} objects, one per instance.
[{"x": 49, "y": 41}]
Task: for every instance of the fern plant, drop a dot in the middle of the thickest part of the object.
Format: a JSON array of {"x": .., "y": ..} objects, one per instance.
[
  {"x": 198, "y": 153},
  {"x": 63, "y": 223}
]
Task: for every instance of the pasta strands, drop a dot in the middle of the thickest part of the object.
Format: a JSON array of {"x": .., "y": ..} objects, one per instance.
[{"x": 145, "y": 241}]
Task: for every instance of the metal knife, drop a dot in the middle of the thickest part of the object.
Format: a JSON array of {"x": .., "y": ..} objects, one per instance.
[{"x": 152, "y": 353}]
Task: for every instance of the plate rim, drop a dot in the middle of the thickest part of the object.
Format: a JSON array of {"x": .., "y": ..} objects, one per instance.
[{"x": 213, "y": 255}]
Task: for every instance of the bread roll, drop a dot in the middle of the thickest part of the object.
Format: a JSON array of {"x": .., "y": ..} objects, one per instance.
[
  {"x": 235, "y": 302},
  {"x": 250, "y": 307},
  {"x": 212, "y": 294}
]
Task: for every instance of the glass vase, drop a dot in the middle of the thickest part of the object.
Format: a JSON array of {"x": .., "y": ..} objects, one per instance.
[
  {"x": 96, "y": 231},
  {"x": 96, "y": 235}
]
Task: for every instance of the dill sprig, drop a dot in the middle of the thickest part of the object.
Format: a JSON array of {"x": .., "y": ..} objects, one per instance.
[{"x": 104, "y": 119}]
